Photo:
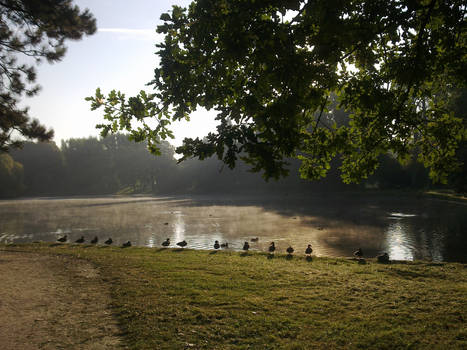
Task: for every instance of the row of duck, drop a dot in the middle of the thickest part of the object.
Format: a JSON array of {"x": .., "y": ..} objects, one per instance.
[{"x": 246, "y": 246}]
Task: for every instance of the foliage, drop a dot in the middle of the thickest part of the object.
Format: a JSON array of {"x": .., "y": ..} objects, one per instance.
[
  {"x": 43, "y": 168},
  {"x": 93, "y": 166},
  {"x": 31, "y": 31},
  {"x": 458, "y": 103},
  {"x": 270, "y": 69},
  {"x": 11, "y": 176},
  {"x": 88, "y": 167},
  {"x": 103, "y": 166},
  {"x": 136, "y": 168},
  {"x": 116, "y": 165},
  {"x": 172, "y": 299}
]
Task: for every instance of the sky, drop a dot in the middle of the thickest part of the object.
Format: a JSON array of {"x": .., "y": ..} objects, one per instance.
[{"x": 121, "y": 56}]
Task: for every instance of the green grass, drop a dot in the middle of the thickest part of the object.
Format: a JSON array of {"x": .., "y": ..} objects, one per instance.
[{"x": 173, "y": 299}]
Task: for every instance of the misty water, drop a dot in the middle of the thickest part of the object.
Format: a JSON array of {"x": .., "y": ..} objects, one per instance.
[{"x": 406, "y": 226}]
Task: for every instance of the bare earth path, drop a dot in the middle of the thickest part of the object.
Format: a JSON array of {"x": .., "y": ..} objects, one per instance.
[{"x": 53, "y": 302}]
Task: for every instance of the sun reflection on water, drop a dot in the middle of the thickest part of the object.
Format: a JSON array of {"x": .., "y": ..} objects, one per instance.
[
  {"x": 178, "y": 227},
  {"x": 151, "y": 242},
  {"x": 398, "y": 243}
]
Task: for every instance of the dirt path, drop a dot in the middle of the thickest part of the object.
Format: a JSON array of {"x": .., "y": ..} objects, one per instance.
[{"x": 53, "y": 302}]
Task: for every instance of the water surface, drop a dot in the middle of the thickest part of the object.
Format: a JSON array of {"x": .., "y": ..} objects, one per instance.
[{"x": 405, "y": 226}]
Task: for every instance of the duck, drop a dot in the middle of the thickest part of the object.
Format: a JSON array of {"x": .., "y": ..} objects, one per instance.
[
  {"x": 308, "y": 250},
  {"x": 246, "y": 246},
  {"x": 95, "y": 240},
  {"x": 289, "y": 250},
  {"x": 182, "y": 244},
  {"x": 224, "y": 245},
  {"x": 255, "y": 239},
  {"x": 272, "y": 248},
  {"x": 109, "y": 241},
  {"x": 127, "y": 244},
  {"x": 80, "y": 240},
  {"x": 216, "y": 245},
  {"x": 166, "y": 243},
  {"x": 383, "y": 258},
  {"x": 62, "y": 239},
  {"x": 358, "y": 253}
]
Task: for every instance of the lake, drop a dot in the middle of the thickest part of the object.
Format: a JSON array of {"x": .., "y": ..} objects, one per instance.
[{"x": 406, "y": 226}]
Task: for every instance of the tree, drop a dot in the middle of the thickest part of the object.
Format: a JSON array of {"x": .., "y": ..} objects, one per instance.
[
  {"x": 43, "y": 168},
  {"x": 31, "y": 31},
  {"x": 458, "y": 104},
  {"x": 88, "y": 167},
  {"x": 137, "y": 169},
  {"x": 11, "y": 177},
  {"x": 270, "y": 69}
]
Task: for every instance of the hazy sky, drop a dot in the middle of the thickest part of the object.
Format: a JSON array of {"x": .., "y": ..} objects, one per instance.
[{"x": 119, "y": 56}]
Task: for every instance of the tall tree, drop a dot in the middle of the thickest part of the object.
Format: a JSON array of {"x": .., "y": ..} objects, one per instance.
[
  {"x": 88, "y": 167},
  {"x": 43, "y": 168},
  {"x": 269, "y": 69},
  {"x": 31, "y": 31},
  {"x": 11, "y": 176},
  {"x": 458, "y": 105}
]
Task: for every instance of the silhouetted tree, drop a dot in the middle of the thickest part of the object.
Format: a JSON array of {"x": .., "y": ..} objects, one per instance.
[
  {"x": 31, "y": 31},
  {"x": 135, "y": 167},
  {"x": 269, "y": 69},
  {"x": 43, "y": 168},
  {"x": 458, "y": 104},
  {"x": 11, "y": 176},
  {"x": 88, "y": 168}
]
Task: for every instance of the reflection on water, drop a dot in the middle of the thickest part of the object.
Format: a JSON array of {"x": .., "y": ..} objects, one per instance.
[
  {"x": 151, "y": 243},
  {"x": 407, "y": 228},
  {"x": 399, "y": 244},
  {"x": 179, "y": 228}
]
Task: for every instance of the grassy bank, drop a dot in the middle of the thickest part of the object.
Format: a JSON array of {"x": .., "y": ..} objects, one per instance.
[{"x": 176, "y": 299}]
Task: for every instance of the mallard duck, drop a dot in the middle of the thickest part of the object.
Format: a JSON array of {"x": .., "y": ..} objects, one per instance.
[
  {"x": 109, "y": 241},
  {"x": 182, "y": 244},
  {"x": 166, "y": 243},
  {"x": 127, "y": 244},
  {"x": 224, "y": 245},
  {"x": 246, "y": 246},
  {"x": 289, "y": 250},
  {"x": 383, "y": 258},
  {"x": 216, "y": 245},
  {"x": 80, "y": 240},
  {"x": 95, "y": 240},
  {"x": 62, "y": 239},
  {"x": 308, "y": 250},
  {"x": 272, "y": 248},
  {"x": 255, "y": 239},
  {"x": 358, "y": 253}
]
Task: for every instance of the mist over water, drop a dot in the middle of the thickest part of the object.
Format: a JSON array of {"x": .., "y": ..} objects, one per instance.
[{"x": 407, "y": 228}]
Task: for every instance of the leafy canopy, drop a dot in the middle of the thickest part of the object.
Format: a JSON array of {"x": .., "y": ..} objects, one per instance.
[
  {"x": 274, "y": 69},
  {"x": 32, "y": 31}
]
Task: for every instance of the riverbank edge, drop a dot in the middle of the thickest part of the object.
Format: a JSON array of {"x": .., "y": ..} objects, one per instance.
[
  {"x": 440, "y": 194},
  {"x": 220, "y": 301}
]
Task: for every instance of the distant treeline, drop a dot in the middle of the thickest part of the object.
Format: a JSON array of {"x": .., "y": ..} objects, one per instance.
[{"x": 92, "y": 166}]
